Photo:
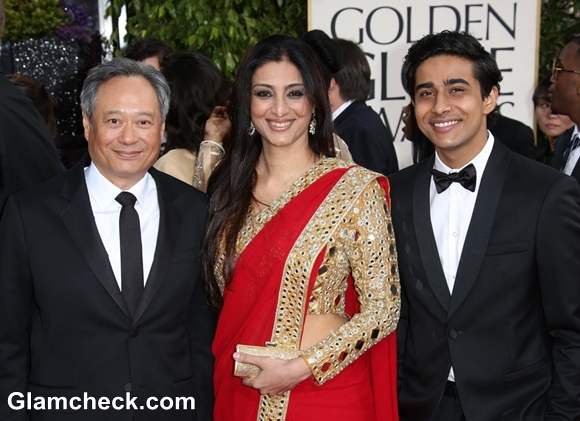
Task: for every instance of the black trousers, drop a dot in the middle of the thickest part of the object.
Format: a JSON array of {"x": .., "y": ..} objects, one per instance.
[{"x": 450, "y": 407}]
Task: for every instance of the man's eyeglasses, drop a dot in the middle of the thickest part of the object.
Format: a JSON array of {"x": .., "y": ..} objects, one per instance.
[{"x": 557, "y": 67}]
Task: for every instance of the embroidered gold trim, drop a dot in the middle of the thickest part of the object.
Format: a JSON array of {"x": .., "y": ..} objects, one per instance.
[{"x": 292, "y": 299}]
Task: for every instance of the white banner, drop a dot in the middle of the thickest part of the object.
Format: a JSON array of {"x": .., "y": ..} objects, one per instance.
[{"x": 385, "y": 30}]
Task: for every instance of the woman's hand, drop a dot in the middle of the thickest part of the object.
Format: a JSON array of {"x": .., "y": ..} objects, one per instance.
[
  {"x": 276, "y": 376},
  {"x": 218, "y": 125}
]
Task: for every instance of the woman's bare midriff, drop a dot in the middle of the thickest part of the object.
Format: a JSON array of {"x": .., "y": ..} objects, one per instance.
[{"x": 318, "y": 326}]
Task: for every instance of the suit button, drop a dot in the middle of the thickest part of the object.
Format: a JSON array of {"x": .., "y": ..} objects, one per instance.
[
  {"x": 128, "y": 387},
  {"x": 453, "y": 334}
]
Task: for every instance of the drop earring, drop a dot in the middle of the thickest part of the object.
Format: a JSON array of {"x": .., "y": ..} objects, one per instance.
[
  {"x": 251, "y": 129},
  {"x": 312, "y": 125}
]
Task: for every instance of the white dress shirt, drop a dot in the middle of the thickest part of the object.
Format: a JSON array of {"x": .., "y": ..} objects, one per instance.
[
  {"x": 106, "y": 210},
  {"x": 340, "y": 109},
  {"x": 451, "y": 212},
  {"x": 574, "y": 155}
]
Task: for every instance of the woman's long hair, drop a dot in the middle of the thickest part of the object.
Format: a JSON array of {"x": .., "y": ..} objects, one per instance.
[
  {"x": 233, "y": 181},
  {"x": 197, "y": 86}
]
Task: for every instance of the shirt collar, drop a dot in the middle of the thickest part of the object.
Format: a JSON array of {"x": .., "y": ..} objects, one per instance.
[
  {"x": 340, "y": 109},
  {"x": 104, "y": 192},
  {"x": 479, "y": 161},
  {"x": 576, "y": 132}
]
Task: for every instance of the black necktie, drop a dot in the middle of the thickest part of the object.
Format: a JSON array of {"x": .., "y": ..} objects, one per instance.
[
  {"x": 574, "y": 143},
  {"x": 466, "y": 177},
  {"x": 131, "y": 254}
]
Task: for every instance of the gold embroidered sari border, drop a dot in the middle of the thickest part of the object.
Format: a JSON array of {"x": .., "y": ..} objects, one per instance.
[{"x": 292, "y": 300}]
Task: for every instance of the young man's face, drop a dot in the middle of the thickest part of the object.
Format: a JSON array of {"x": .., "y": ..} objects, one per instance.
[{"x": 449, "y": 108}]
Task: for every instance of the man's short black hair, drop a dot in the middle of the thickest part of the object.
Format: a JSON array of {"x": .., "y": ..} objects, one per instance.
[
  {"x": 144, "y": 48},
  {"x": 354, "y": 76},
  {"x": 452, "y": 43},
  {"x": 325, "y": 50}
]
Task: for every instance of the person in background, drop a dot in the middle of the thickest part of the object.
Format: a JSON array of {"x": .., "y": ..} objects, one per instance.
[
  {"x": 326, "y": 54},
  {"x": 42, "y": 100},
  {"x": 550, "y": 125},
  {"x": 197, "y": 122},
  {"x": 359, "y": 125},
  {"x": 150, "y": 51},
  {"x": 566, "y": 100},
  {"x": 300, "y": 255},
  {"x": 488, "y": 244},
  {"x": 27, "y": 155}
]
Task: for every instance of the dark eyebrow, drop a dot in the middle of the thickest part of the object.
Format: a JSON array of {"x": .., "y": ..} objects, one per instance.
[
  {"x": 456, "y": 81},
  {"x": 292, "y": 85},
  {"x": 425, "y": 85}
]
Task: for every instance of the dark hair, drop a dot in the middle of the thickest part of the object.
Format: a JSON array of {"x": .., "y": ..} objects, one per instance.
[
  {"x": 542, "y": 91},
  {"x": 144, "y": 48},
  {"x": 197, "y": 86},
  {"x": 42, "y": 100},
  {"x": 325, "y": 50},
  {"x": 354, "y": 76},
  {"x": 233, "y": 180},
  {"x": 575, "y": 39},
  {"x": 452, "y": 43}
]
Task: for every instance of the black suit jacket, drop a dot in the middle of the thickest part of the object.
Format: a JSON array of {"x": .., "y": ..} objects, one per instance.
[
  {"x": 368, "y": 139},
  {"x": 511, "y": 328},
  {"x": 27, "y": 156},
  {"x": 64, "y": 327},
  {"x": 561, "y": 144}
]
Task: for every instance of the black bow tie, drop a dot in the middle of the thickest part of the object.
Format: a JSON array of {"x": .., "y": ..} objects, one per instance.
[{"x": 466, "y": 177}]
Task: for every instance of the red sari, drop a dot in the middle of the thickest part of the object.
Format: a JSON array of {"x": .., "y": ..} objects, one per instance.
[{"x": 364, "y": 391}]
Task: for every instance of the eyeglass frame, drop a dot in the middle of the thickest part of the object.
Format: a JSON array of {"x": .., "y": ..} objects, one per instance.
[{"x": 557, "y": 67}]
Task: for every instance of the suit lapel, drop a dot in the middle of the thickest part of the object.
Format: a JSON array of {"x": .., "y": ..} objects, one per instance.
[
  {"x": 576, "y": 171},
  {"x": 424, "y": 232},
  {"x": 79, "y": 221},
  {"x": 168, "y": 227},
  {"x": 479, "y": 230}
]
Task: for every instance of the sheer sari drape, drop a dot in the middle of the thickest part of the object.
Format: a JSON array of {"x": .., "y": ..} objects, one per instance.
[{"x": 365, "y": 390}]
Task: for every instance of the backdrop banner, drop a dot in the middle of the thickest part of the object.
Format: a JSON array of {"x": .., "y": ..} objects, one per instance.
[{"x": 508, "y": 29}]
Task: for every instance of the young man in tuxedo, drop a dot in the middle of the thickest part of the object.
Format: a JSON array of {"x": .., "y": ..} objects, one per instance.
[
  {"x": 490, "y": 318},
  {"x": 100, "y": 288},
  {"x": 566, "y": 100}
]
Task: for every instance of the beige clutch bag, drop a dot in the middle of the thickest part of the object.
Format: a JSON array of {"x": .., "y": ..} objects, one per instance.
[{"x": 248, "y": 370}]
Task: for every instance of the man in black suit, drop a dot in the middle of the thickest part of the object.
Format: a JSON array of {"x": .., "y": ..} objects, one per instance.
[
  {"x": 27, "y": 155},
  {"x": 566, "y": 100},
  {"x": 100, "y": 288},
  {"x": 490, "y": 318},
  {"x": 367, "y": 137}
]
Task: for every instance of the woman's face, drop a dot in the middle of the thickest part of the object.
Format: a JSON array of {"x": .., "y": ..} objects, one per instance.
[
  {"x": 279, "y": 107},
  {"x": 552, "y": 125}
]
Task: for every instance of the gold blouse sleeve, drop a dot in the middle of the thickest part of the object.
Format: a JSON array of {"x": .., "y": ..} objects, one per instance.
[
  {"x": 210, "y": 154},
  {"x": 371, "y": 252}
]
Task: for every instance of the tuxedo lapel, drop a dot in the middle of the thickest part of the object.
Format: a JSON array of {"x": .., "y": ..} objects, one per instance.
[
  {"x": 168, "y": 226},
  {"x": 576, "y": 171},
  {"x": 424, "y": 232},
  {"x": 479, "y": 230},
  {"x": 80, "y": 223}
]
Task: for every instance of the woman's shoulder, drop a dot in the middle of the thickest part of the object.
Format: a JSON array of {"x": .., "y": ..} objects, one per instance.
[{"x": 178, "y": 163}]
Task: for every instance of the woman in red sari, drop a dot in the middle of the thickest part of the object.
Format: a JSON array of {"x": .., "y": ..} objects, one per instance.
[{"x": 301, "y": 256}]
